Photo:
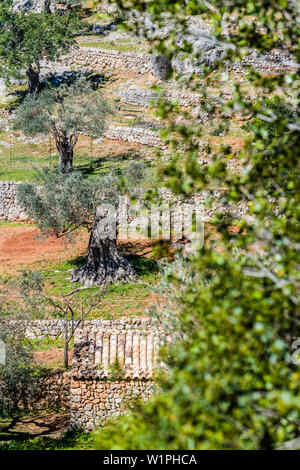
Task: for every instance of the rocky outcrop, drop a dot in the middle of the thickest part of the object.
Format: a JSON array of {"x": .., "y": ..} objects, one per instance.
[
  {"x": 161, "y": 67},
  {"x": 206, "y": 49},
  {"x": 35, "y": 5}
]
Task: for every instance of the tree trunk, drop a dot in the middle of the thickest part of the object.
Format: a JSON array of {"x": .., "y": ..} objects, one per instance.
[
  {"x": 66, "y": 153},
  {"x": 47, "y": 7},
  {"x": 33, "y": 80},
  {"x": 66, "y": 358},
  {"x": 66, "y": 345},
  {"x": 104, "y": 264}
]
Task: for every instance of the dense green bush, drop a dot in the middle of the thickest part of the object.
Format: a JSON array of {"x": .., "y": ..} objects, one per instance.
[{"x": 17, "y": 375}]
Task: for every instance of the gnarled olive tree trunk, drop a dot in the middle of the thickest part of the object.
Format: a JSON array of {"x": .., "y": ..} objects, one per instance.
[
  {"x": 104, "y": 264},
  {"x": 65, "y": 148},
  {"x": 48, "y": 6},
  {"x": 33, "y": 79}
]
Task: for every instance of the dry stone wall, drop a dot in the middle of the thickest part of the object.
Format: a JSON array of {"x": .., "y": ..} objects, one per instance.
[
  {"x": 94, "y": 401},
  {"x": 113, "y": 364},
  {"x": 53, "y": 391},
  {"x": 139, "y": 96},
  {"x": 52, "y": 328},
  {"x": 41, "y": 329},
  {"x": 134, "y": 134},
  {"x": 102, "y": 59},
  {"x": 10, "y": 208},
  {"x": 50, "y": 390}
]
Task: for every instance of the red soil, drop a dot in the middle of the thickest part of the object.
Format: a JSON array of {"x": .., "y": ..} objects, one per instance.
[
  {"x": 21, "y": 245},
  {"x": 52, "y": 356}
]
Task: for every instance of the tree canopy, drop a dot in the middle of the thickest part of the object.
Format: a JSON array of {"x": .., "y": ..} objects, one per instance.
[
  {"x": 64, "y": 111},
  {"x": 64, "y": 202},
  {"x": 28, "y": 38}
]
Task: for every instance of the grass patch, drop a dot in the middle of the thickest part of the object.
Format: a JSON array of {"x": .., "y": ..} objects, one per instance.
[
  {"x": 121, "y": 45},
  {"x": 72, "y": 440},
  {"x": 4, "y": 223},
  {"x": 41, "y": 430},
  {"x": 20, "y": 159},
  {"x": 46, "y": 344},
  {"x": 123, "y": 299}
]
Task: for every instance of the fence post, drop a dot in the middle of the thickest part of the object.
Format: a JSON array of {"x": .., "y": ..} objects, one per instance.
[{"x": 50, "y": 152}]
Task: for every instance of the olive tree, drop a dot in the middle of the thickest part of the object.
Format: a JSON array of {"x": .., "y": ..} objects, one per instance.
[
  {"x": 64, "y": 112},
  {"x": 28, "y": 38},
  {"x": 62, "y": 203}
]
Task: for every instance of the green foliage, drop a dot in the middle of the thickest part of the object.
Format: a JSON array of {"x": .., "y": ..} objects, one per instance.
[
  {"x": 72, "y": 440},
  {"x": 25, "y": 302},
  {"x": 276, "y": 114},
  {"x": 17, "y": 375},
  {"x": 27, "y": 38},
  {"x": 231, "y": 381},
  {"x": 66, "y": 202},
  {"x": 65, "y": 112}
]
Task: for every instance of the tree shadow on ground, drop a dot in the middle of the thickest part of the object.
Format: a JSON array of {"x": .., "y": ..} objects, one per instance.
[
  {"x": 137, "y": 253},
  {"x": 143, "y": 265},
  {"x": 54, "y": 79},
  {"x": 77, "y": 439},
  {"x": 91, "y": 168},
  {"x": 22, "y": 427},
  {"x": 77, "y": 261},
  {"x": 96, "y": 79}
]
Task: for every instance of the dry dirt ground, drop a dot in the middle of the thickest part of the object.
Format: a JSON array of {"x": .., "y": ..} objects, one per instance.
[
  {"x": 21, "y": 245},
  {"x": 22, "y": 248},
  {"x": 51, "y": 356}
]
